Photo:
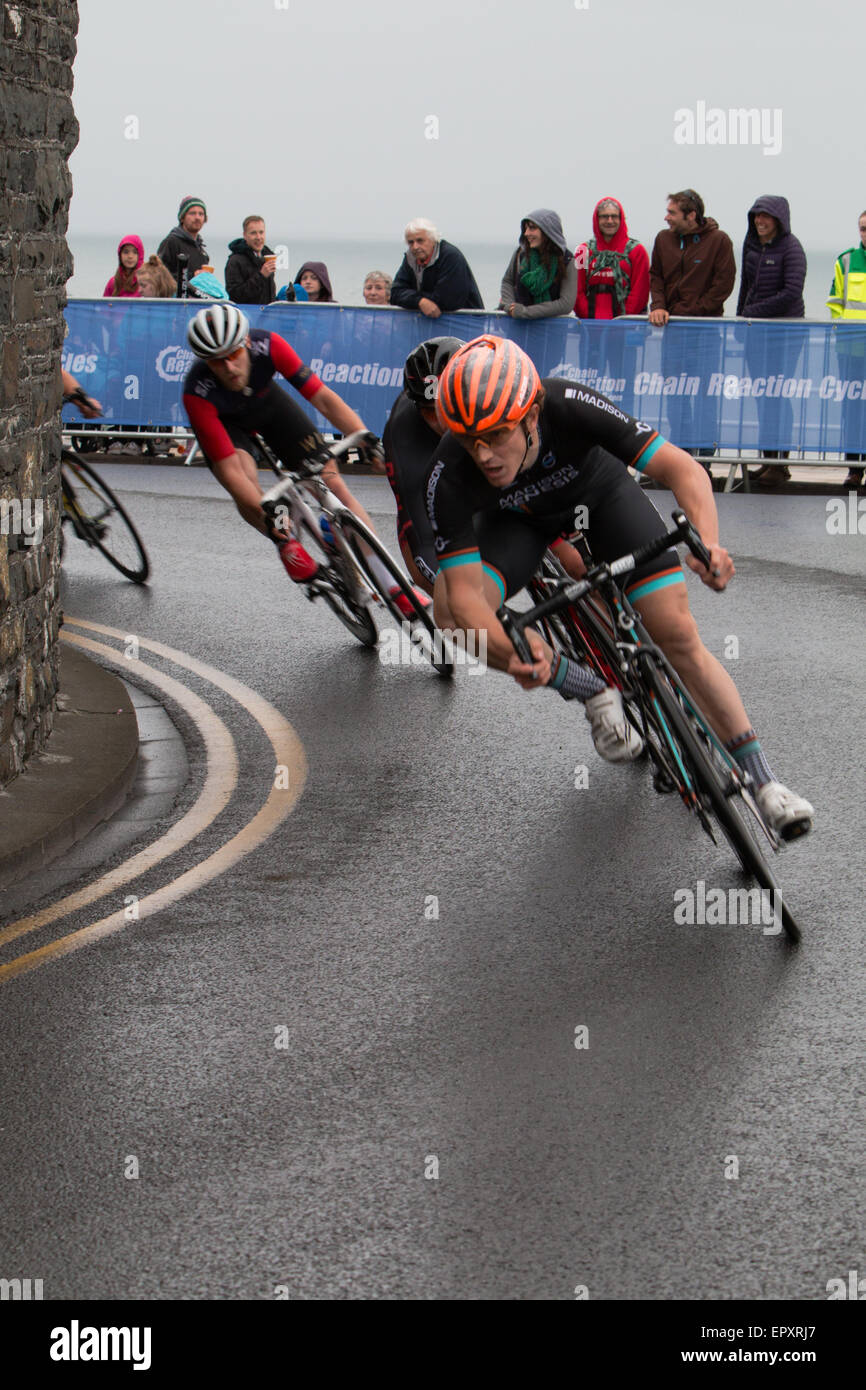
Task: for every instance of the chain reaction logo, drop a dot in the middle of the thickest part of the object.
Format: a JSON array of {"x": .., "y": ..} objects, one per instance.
[{"x": 173, "y": 363}]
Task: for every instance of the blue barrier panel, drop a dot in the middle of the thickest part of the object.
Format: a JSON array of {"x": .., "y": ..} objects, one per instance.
[{"x": 704, "y": 383}]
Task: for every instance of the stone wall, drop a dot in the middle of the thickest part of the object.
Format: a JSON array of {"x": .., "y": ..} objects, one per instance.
[{"x": 38, "y": 131}]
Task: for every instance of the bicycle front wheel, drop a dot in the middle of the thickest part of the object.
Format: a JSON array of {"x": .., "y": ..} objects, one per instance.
[
  {"x": 101, "y": 519},
  {"x": 731, "y": 804},
  {"x": 399, "y": 596}
]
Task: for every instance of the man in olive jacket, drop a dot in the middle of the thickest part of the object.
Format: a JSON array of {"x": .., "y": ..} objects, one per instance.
[{"x": 692, "y": 273}]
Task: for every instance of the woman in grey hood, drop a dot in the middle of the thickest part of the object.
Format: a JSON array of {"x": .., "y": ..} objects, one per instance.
[{"x": 541, "y": 278}]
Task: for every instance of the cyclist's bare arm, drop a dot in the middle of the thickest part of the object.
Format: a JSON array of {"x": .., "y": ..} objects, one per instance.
[
  {"x": 86, "y": 405},
  {"x": 239, "y": 477},
  {"x": 674, "y": 468},
  {"x": 346, "y": 421},
  {"x": 466, "y": 598}
]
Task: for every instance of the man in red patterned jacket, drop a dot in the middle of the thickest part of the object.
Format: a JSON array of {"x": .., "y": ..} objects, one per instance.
[{"x": 612, "y": 268}]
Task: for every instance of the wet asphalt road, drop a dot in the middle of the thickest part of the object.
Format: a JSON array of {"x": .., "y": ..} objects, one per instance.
[{"x": 424, "y": 935}]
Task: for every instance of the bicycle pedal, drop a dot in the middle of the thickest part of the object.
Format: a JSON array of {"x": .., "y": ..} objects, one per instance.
[
  {"x": 794, "y": 831},
  {"x": 663, "y": 784}
]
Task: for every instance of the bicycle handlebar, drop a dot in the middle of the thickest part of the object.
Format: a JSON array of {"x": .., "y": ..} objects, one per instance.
[
  {"x": 79, "y": 397},
  {"x": 313, "y": 466},
  {"x": 570, "y": 591}
]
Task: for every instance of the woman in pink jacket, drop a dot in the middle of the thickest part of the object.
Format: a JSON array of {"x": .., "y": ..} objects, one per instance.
[{"x": 124, "y": 281}]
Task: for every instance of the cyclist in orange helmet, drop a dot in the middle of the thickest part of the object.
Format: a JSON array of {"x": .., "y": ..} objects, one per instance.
[{"x": 522, "y": 460}]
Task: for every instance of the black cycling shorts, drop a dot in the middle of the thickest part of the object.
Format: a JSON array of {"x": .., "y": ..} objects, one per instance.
[
  {"x": 619, "y": 518},
  {"x": 280, "y": 422}
]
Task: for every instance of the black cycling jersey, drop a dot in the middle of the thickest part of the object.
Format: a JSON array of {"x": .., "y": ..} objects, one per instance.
[
  {"x": 409, "y": 445},
  {"x": 584, "y": 442}
]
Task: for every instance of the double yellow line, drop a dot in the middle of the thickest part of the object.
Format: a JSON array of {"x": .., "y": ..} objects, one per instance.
[{"x": 220, "y": 782}]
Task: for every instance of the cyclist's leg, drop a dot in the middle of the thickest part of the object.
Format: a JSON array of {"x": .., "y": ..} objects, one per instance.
[
  {"x": 239, "y": 476},
  {"x": 511, "y": 548},
  {"x": 620, "y": 518},
  {"x": 669, "y": 621},
  {"x": 414, "y": 532},
  {"x": 283, "y": 424}
]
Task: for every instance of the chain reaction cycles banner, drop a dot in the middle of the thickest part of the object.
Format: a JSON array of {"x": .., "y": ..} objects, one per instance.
[{"x": 726, "y": 384}]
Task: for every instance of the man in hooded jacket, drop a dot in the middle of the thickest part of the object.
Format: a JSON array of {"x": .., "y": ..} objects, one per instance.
[
  {"x": 692, "y": 273},
  {"x": 612, "y": 280},
  {"x": 612, "y": 268}
]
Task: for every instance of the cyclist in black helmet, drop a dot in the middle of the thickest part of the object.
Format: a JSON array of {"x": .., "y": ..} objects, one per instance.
[{"x": 411, "y": 436}]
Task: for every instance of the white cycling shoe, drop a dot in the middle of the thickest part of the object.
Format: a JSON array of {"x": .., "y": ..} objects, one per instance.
[
  {"x": 789, "y": 815},
  {"x": 614, "y": 737}
]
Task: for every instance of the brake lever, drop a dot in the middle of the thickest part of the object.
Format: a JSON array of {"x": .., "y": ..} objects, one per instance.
[
  {"x": 692, "y": 538},
  {"x": 515, "y": 635}
]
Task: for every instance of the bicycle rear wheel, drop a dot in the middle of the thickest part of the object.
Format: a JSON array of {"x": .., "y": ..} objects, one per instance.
[
  {"x": 433, "y": 643},
  {"x": 722, "y": 793},
  {"x": 101, "y": 519}
]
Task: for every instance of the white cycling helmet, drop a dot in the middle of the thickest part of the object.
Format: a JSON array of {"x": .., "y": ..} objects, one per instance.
[{"x": 217, "y": 330}]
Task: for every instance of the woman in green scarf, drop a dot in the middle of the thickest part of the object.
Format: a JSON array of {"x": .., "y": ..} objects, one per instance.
[{"x": 541, "y": 278}]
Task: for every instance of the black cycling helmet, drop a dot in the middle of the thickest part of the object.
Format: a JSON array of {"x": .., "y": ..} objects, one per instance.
[{"x": 425, "y": 364}]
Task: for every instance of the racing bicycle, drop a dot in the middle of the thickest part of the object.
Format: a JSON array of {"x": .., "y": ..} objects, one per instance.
[
  {"x": 591, "y": 620},
  {"x": 342, "y": 544}
]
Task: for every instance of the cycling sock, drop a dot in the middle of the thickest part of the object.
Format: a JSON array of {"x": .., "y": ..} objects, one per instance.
[
  {"x": 748, "y": 753},
  {"x": 575, "y": 681}
]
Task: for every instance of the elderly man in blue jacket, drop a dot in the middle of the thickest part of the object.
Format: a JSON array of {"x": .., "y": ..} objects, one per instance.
[{"x": 435, "y": 277}]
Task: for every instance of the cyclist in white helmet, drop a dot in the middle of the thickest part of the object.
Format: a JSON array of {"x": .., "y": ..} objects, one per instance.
[{"x": 230, "y": 394}]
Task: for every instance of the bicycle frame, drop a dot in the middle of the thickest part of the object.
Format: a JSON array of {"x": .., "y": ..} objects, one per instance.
[{"x": 615, "y": 643}]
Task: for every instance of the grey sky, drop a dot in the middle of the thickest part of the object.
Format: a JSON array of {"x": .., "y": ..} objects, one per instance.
[{"x": 314, "y": 113}]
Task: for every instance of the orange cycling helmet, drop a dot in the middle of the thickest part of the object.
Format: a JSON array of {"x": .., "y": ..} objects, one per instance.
[{"x": 490, "y": 384}]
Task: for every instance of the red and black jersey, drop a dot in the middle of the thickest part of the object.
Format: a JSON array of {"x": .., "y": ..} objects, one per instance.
[{"x": 208, "y": 403}]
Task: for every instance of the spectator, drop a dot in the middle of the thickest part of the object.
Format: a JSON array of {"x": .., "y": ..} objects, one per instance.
[
  {"x": 683, "y": 282},
  {"x": 314, "y": 278},
  {"x": 435, "y": 277},
  {"x": 848, "y": 302},
  {"x": 185, "y": 239},
  {"x": 771, "y": 287},
  {"x": 540, "y": 279},
  {"x": 612, "y": 268},
  {"x": 124, "y": 283},
  {"x": 692, "y": 272},
  {"x": 155, "y": 280},
  {"x": 250, "y": 269},
  {"x": 377, "y": 287}
]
